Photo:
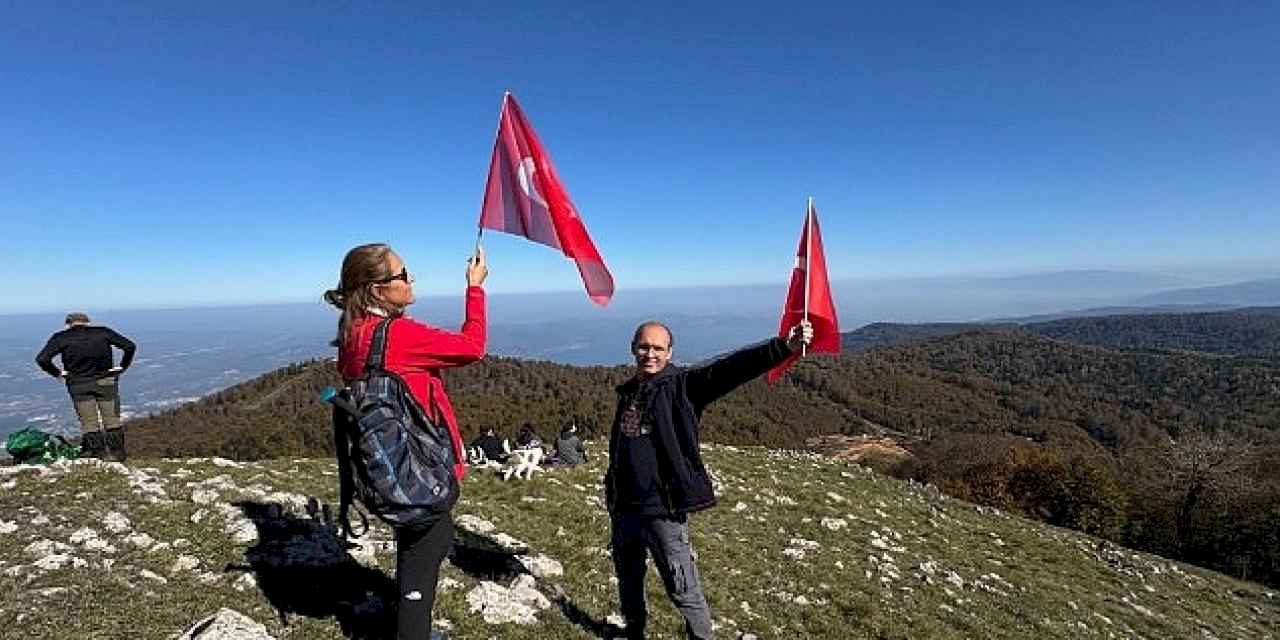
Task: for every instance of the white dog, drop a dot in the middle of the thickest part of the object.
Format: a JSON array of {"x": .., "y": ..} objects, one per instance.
[{"x": 523, "y": 462}]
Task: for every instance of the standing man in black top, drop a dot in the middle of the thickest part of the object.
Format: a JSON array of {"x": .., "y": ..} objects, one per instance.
[
  {"x": 92, "y": 379},
  {"x": 656, "y": 476}
]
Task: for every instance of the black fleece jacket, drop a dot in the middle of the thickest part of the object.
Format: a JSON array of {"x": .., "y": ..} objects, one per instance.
[
  {"x": 86, "y": 353},
  {"x": 666, "y": 476}
]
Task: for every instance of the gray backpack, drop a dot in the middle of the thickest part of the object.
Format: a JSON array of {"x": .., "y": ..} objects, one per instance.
[{"x": 391, "y": 456}]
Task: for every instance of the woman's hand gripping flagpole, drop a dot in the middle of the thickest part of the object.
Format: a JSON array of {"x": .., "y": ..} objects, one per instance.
[{"x": 477, "y": 267}]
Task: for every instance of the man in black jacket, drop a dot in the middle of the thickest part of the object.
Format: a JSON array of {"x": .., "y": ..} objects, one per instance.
[
  {"x": 656, "y": 476},
  {"x": 92, "y": 379}
]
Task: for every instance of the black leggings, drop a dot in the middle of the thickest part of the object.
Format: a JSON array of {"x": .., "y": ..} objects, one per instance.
[{"x": 419, "y": 553}]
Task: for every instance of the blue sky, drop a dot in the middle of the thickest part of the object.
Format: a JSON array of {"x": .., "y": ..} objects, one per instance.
[{"x": 164, "y": 154}]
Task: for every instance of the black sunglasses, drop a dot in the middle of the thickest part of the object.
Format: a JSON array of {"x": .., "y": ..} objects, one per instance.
[{"x": 403, "y": 275}]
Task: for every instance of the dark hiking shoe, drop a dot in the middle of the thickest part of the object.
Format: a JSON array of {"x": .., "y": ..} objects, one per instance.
[
  {"x": 113, "y": 449},
  {"x": 92, "y": 444}
]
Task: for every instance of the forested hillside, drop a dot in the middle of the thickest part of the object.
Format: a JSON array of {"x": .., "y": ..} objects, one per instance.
[
  {"x": 1010, "y": 381},
  {"x": 1250, "y": 331},
  {"x": 887, "y": 334},
  {"x": 1002, "y": 381},
  {"x": 1253, "y": 331}
]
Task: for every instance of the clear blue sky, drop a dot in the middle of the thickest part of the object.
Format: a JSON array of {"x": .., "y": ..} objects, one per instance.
[{"x": 171, "y": 153}]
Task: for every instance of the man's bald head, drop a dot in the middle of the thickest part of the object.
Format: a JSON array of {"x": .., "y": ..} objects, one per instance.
[
  {"x": 650, "y": 324},
  {"x": 651, "y": 346}
]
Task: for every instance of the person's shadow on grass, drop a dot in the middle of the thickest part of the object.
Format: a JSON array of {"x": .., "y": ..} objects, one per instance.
[{"x": 303, "y": 568}]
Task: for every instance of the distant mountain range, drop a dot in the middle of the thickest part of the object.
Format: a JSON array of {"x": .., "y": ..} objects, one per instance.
[
  {"x": 1112, "y": 311},
  {"x": 1092, "y": 281},
  {"x": 1243, "y": 294}
]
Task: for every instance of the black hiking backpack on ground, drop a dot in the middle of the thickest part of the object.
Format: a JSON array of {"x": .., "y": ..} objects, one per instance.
[{"x": 391, "y": 456}]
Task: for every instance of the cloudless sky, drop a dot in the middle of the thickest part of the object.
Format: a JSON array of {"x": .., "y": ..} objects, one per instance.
[{"x": 172, "y": 153}]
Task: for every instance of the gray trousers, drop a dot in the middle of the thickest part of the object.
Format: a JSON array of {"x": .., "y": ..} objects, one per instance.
[{"x": 667, "y": 538}]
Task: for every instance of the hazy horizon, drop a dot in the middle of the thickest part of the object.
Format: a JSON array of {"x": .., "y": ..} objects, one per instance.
[{"x": 573, "y": 301}]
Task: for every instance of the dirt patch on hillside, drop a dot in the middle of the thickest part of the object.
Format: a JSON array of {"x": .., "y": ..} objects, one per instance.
[{"x": 873, "y": 451}]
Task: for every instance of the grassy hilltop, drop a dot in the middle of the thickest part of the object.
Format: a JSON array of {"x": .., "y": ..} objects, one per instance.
[
  {"x": 1158, "y": 432},
  {"x": 799, "y": 547}
]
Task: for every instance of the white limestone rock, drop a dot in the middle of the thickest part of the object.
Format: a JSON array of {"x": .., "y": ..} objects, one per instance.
[
  {"x": 183, "y": 564},
  {"x": 516, "y": 604},
  {"x": 45, "y": 547},
  {"x": 474, "y": 524},
  {"x": 541, "y": 566},
  {"x": 117, "y": 522},
  {"x": 227, "y": 624},
  {"x": 58, "y": 561}
]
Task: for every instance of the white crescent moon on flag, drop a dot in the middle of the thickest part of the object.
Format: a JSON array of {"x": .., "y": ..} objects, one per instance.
[{"x": 525, "y": 171}]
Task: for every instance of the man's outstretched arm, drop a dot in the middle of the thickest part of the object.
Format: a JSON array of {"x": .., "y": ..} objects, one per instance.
[{"x": 709, "y": 382}]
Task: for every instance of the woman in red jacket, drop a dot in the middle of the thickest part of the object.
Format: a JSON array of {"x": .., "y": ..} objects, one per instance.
[{"x": 374, "y": 285}]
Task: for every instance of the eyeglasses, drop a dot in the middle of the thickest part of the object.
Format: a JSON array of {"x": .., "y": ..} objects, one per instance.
[
  {"x": 647, "y": 348},
  {"x": 403, "y": 275}
]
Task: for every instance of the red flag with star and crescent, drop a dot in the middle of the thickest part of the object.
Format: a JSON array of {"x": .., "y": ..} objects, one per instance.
[
  {"x": 809, "y": 296},
  {"x": 524, "y": 196}
]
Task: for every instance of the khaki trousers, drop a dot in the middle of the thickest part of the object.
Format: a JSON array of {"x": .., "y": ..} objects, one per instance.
[{"x": 97, "y": 404}]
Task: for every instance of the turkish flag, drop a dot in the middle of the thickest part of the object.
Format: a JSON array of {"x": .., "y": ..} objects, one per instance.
[
  {"x": 809, "y": 296},
  {"x": 525, "y": 197}
]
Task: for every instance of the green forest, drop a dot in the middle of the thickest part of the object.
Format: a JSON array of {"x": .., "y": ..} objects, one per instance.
[
  {"x": 1159, "y": 432},
  {"x": 1249, "y": 331}
]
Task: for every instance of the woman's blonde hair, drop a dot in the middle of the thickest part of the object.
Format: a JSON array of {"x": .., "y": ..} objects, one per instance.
[{"x": 362, "y": 268}]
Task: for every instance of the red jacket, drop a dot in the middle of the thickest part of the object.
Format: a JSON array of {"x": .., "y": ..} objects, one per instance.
[{"x": 417, "y": 352}]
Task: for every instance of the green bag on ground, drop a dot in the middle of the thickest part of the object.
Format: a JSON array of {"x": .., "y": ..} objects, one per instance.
[{"x": 32, "y": 446}]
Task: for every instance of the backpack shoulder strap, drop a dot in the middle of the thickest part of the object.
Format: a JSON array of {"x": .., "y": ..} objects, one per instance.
[
  {"x": 377, "y": 356},
  {"x": 346, "y": 484}
]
